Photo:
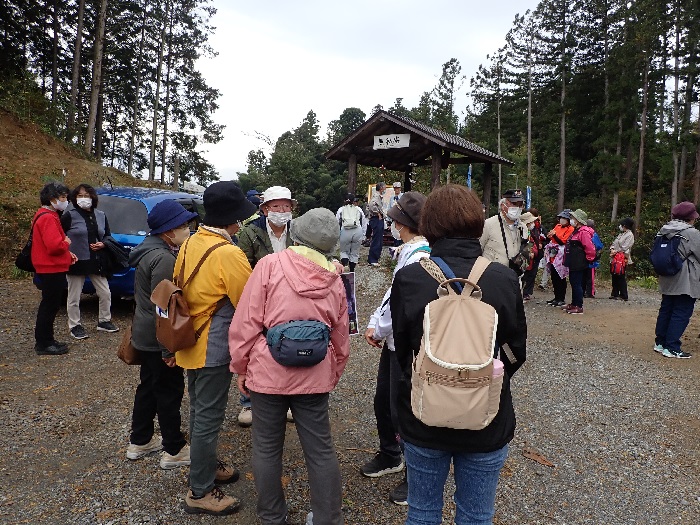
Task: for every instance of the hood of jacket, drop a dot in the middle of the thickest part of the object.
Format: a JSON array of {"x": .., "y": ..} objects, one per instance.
[
  {"x": 674, "y": 227},
  {"x": 150, "y": 243},
  {"x": 306, "y": 277},
  {"x": 580, "y": 230}
]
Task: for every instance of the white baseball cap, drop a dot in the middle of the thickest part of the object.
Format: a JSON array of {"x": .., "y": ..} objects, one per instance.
[
  {"x": 397, "y": 185},
  {"x": 277, "y": 192}
]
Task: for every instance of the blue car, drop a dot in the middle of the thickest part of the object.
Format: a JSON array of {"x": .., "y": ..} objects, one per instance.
[{"x": 127, "y": 212}]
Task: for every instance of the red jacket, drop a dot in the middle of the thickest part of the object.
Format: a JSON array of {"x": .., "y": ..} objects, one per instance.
[{"x": 50, "y": 252}]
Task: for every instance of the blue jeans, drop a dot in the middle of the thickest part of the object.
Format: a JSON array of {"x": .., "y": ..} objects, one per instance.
[
  {"x": 375, "y": 247},
  {"x": 576, "y": 280},
  {"x": 674, "y": 316},
  {"x": 476, "y": 477}
]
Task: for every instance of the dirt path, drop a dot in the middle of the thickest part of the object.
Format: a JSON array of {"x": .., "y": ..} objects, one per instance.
[{"x": 65, "y": 424}]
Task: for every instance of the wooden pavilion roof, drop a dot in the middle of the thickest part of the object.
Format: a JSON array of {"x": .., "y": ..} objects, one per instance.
[{"x": 423, "y": 142}]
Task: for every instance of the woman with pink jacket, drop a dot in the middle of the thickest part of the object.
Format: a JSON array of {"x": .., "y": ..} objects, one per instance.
[{"x": 296, "y": 284}]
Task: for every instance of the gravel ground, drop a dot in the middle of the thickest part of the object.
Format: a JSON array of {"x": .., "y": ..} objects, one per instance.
[{"x": 618, "y": 422}]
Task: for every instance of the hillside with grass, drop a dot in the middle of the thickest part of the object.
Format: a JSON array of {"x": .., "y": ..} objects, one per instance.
[{"x": 28, "y": 159}]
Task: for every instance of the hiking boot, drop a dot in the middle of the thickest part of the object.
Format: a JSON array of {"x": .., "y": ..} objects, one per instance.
[
  {"x": 181, "y": 459},
  {"x": 50, "y": 350},
  {"x": 659, "y": 349},
  {"x": 78, "y": 332},
  {"x": 225, "y": 473},
  {"x": 290, "y": 417},
  {"x": 215, "y": 503},
  {"x": 576, "y": 310},
  {"x": 678, "y": 354},
  {"x": 106, "y": 326},
  {"x": 245, "y": 417},
  {"x": 400, "y": 493},
  {"x": 382, "y": 464},
  {"x": 134, "y": 452}
]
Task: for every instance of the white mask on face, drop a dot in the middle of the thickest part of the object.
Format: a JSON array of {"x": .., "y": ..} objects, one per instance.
[
  {"x": 573, "y": 222},
  {"x": 278, "y": 218},
  {"x": 513, "y": 213},
  {"x": 621, "y": 228},
  {"x": 59, "y": 205},
  {"x": 396, "y": 233},
  {"x": 84, "y": 202}
]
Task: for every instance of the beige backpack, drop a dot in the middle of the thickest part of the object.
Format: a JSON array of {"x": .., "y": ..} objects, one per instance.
[{"x": 456, "y": 382}]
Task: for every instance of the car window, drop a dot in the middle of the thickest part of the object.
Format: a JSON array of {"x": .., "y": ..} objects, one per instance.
[{"x": 125, "y": 216}]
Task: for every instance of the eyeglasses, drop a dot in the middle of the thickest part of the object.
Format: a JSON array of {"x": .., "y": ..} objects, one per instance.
[{"x": 279, "y": 207}]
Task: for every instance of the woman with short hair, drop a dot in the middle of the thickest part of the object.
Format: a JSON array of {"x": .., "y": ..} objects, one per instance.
[
  {"x": 51, "y": 257},
  {"x": 477, "y": 455},
  {"x": 86, "y": 226},
  {"x": 622, "y": 244}
]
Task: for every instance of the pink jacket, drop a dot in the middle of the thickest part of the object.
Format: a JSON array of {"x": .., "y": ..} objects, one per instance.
[{"x": 284, "y": 287}]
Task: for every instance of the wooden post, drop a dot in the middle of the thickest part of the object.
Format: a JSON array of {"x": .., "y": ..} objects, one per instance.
[
  {"x": 176, "y": 173},
  {"x": 488, "y": 171},
  {"x": 437, "y": 166},
  {"x": 352, "y": 173}
]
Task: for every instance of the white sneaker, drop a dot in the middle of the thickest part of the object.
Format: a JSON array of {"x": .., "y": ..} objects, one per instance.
[
  {"x": 659, "y": 348},
  {"x": 134, "y": 452},
  {"x": 245, "y": 417},
  {"x": 290, "y": 417},
  {"x": 181, "y": 459}
]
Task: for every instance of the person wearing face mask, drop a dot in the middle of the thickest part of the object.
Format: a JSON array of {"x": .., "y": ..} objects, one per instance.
[
  {"x": 554, "y": 252},
  {"x": 504, "y": 233},
  {"x": 405, "y": 216},
  {"x": 269, "y": 233},
  {"x": 578, "y": 254},
  {"x": 162, "y": 385},
  {"x": 622, "y": 244},
  {"x": 212, "y": 297},
  {"x": 51, "y": 257},
  {"x": 86, "y": 227}
]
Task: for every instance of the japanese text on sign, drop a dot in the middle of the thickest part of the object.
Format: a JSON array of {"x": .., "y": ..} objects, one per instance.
[{"x": 397, "y": 140}]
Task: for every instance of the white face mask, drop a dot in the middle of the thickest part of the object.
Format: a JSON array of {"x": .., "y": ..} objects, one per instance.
[
  {"x": 84, "y": 202},
  {"x": 621, "y": 228},
  {"x": 278, "y": 218},
  {"x": 573, "y": 222},
  {"x": 395, "y": 233},
  {"x": 59, "y": 205},
  {"x": 513, "y": 213}
]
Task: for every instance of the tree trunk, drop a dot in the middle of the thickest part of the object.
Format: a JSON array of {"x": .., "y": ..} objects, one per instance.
[
  {"x": 54, "y": 66},
  {"x": 137, "y": 98},
  {"x": 642, "y": 138},
  {"x": 488, "y": 171},
  {"x": 498, "y": 124},
  {"x": 76, "y": 71},
  {"x": 96, "y": 76},
  {"x": 166, "y": 106},
  {"x": 98, "y": 127},
  {"x": 696, "y": 180},
  {"x": 352, "y": 173},
  {"x": 529, "y": 123},
  {"x": 436, "y": 167},
  {"x": 159, "y": 71},
  {"x": 176, "y": 173},
  {"x": 562, "y": 146},
  {"x": 676, "y": 109},
  {"x": 685, "y": 124},
  {"x": 618, "y": 168}
]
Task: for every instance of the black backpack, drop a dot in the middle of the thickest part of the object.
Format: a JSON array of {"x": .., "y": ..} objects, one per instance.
[{"x": 665, "y": 257}]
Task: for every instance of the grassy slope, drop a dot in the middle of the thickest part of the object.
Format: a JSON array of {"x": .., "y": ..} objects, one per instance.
[{"x": 28, "y": 159}]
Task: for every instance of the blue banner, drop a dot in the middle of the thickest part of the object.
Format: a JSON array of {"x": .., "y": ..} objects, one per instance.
[
  {"x": 528, "y": 197},
  {"x": 469, "y": 177}
]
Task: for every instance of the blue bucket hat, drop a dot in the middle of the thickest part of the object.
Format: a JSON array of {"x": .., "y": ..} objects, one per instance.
[{"x": 168, "y": 214}]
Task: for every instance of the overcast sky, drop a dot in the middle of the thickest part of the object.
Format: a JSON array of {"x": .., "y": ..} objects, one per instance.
[{"x": 278, "y": 59}]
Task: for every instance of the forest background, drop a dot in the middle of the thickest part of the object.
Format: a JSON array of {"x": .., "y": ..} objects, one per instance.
[{"x": 595, "y": 101}]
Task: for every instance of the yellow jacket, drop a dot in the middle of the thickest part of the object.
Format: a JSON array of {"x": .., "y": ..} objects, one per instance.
[{"x": 224, "y": 273}]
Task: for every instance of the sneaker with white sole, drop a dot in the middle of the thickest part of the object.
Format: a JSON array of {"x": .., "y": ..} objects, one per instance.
[
  {"x": 659, "y": 349},
  {"x": 245, "y": 417},
  {"x": 214, "y": 503},
  {"x": 225, "y": 473},
  {"x": 78, "y": 332},
  {"x": 678, "y": 354},
  {"x": 382, "y": 464},
  {"x": 107, "y": 326},
  {"x": 181, "y": 459},
  {"x": 399, "y": 495},
  {"x": 134, "y": 452}
]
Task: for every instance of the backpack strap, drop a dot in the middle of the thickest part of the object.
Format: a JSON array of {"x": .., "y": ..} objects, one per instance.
[
  {"x": 448, "y": 273},
  {"x": 478, "y": 269},
  {"x": 199, "y": 264}
]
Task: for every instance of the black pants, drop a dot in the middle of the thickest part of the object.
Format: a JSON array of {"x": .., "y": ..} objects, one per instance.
[
  {"x": 159, "y": 394},
  {"x": 385, "y": 398},
  {"x": 619, "y": 286},
  {"x": 52, "y": 297},
  {"x": 558, "y": 284},
  {"x": 529, "y": 279}
]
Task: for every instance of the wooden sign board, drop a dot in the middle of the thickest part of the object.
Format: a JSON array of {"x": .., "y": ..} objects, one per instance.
[{"x": 397, "y": 140}]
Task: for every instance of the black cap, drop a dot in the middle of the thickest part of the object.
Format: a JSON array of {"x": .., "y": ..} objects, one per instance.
[
  {"x": 514, "y": 195},
  {"x": 225, "y": 203}
]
